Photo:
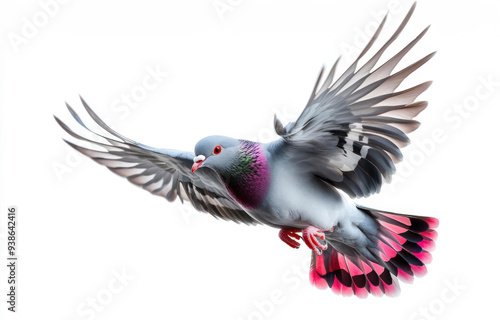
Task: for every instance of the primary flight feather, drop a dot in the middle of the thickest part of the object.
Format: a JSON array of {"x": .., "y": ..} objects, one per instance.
[{"x": 343, "y": 145}]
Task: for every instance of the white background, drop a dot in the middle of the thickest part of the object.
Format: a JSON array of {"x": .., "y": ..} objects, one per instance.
[{"x": 228, "y": 73}]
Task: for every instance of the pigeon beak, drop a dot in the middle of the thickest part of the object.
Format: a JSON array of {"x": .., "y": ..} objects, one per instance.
[{"x": 198, "y": 161}]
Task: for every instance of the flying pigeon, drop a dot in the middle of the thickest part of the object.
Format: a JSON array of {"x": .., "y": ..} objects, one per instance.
[{"x": 344, "y": 145}]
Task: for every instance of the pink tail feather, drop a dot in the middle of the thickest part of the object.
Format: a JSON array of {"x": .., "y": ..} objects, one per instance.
[{"x": 403, "y": 243}]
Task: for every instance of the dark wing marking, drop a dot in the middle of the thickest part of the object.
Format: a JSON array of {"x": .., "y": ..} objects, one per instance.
[
  {"x": 163, "y": 172},
  {"x": 351, "y": 130}
]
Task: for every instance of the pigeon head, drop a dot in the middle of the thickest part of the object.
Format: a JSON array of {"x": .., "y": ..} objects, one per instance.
[
  {"x": 242, "y": 164},
  {"x": 216, "y": 152}
]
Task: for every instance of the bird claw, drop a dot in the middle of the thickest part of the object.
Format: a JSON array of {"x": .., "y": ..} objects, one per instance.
[
  {"x": 286, "y": 236},
  {"x": 310, "y": 236}
]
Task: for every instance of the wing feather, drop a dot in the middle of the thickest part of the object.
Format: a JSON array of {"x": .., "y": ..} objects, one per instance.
[
  {"x": 163, "y": 172},
  {"x": 352, "y": 129}
]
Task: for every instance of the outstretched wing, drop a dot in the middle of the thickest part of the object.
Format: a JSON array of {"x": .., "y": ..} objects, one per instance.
[
  {"x": 351, "y": 130},
  {"x": 163, "y": 172}
]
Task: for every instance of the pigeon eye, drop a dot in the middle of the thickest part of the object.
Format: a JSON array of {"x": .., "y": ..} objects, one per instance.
[{"x": 217, "y": 149}]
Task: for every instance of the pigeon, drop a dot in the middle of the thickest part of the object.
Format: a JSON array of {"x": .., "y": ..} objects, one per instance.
[{"x": 344, "y": 145}]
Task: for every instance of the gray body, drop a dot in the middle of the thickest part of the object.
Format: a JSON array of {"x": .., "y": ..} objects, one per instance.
[{"x": 296, "y": 199}]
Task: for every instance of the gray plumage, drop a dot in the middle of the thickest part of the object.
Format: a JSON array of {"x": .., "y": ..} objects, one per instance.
[
  {"x": 350, "y": 131},
  {"x": 344, "y": 144},
  {"x": 163, "y": 172}
]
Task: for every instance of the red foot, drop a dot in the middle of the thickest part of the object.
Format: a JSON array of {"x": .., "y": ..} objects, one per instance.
[
  {"x": 310, "y": 235},
  {"x": 286, "y": 236}
]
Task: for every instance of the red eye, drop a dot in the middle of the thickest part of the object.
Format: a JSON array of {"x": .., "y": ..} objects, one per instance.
[{"x": 217, "y": 149}]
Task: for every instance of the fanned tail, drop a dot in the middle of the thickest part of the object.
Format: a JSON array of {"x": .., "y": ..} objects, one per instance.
[{"x": 398, "y": 250}]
